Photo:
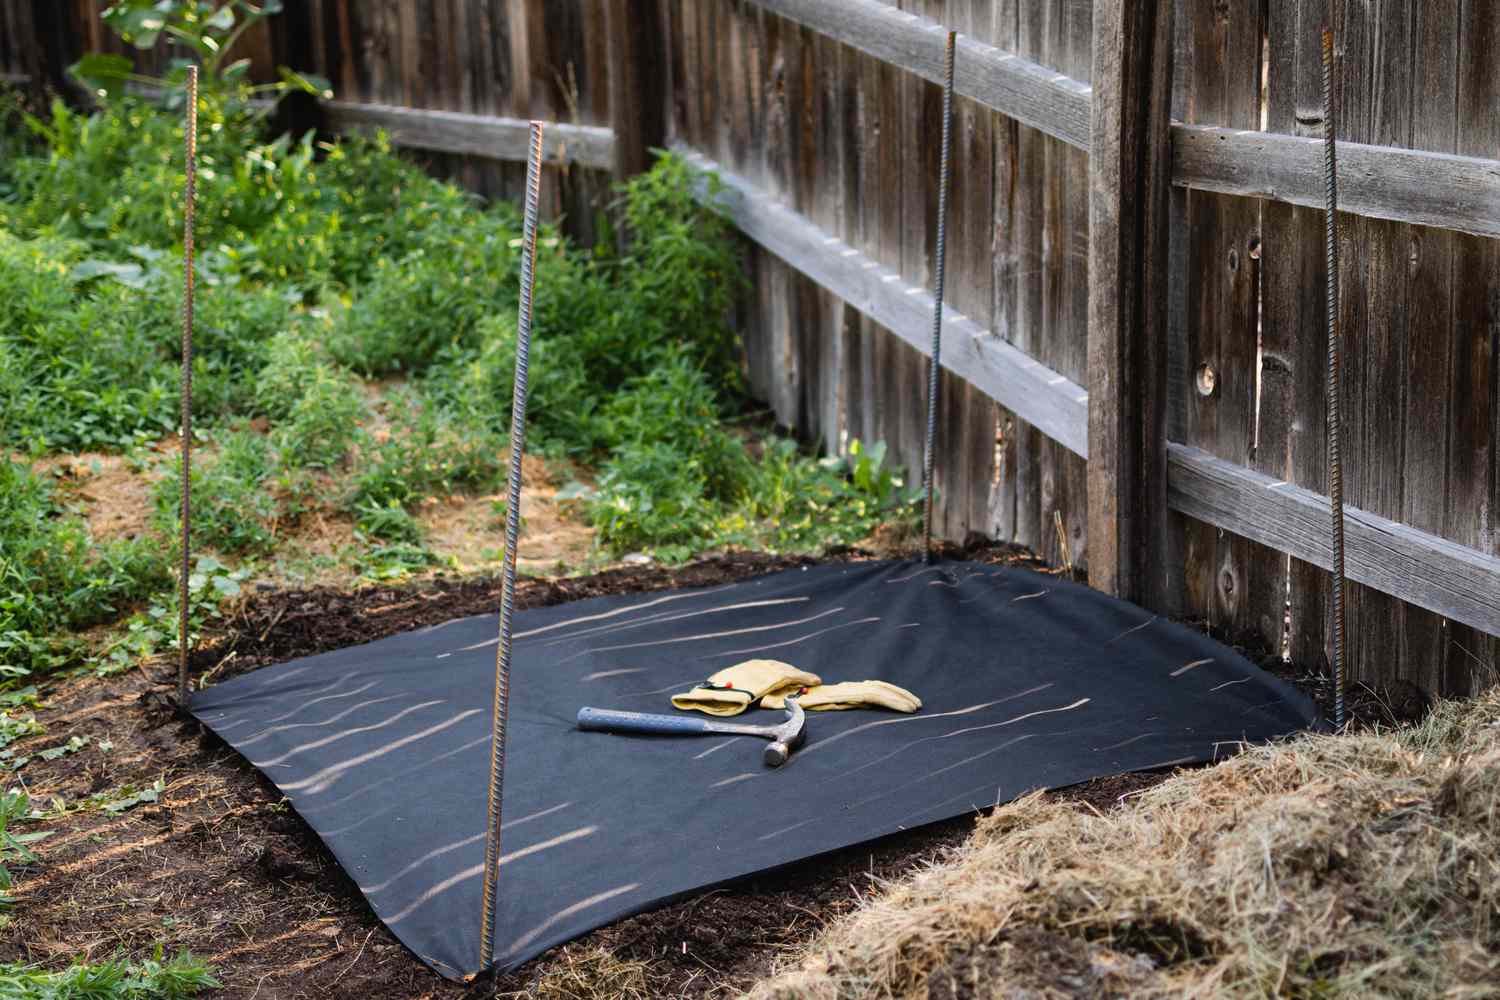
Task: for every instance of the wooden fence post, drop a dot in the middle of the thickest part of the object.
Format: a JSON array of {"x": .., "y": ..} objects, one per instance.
[
  {"x": 638, "y": 83},
  {"x": 1129, "y": 183}
]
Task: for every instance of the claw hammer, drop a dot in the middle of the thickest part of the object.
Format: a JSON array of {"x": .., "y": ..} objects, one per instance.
[{"x": 784, "y": 738}]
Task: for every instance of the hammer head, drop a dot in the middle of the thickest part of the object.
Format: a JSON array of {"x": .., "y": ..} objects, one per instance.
[{"x": 790, "y": 735}]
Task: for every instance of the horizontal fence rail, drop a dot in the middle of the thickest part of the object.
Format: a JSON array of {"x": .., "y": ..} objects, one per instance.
[
  {"x": 1384, "y": 182},
  {"x": 1442, "y": 576},
  {"x": 486, "y": 136},
  {"x": 1461, "y": 193},
  {"x": 1053, "y": 404},
  {"x": 489, "y": 137},
  {"x": 1455, "y": 581},
  {"x": 1034, "y": 95}
]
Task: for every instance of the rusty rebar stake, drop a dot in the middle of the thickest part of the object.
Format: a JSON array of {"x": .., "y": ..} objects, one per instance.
[
  {"x": 939, "y": 267},
  {"x": 186, "y": 389},
  {"x": 1335, "y": 380},
  {"x": 501, "y": 708}
]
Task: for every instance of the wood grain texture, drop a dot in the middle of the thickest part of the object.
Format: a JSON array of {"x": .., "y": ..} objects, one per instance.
[
  {"x": 475, "y": 135},
  {"x": 1039, "y": 395},
  {"x": 1471, "y": 516},
  {"x": 1433, "y": 188},
  {"x": 1128, "y": 256},
  {"x": 1065, "y": 289},
  {"x": 1042, "y": 37},
  {"x": 1219, "y": 319},
  {"x": 1421, "y": 652},
  {"x": 637, "y": 92},
  {"x": 967, "y": 452},
  {"x": 1030, "y": 93},
  {"x": 1293, "y": 275},
  {"x": 1430, "y": 571},
  {"x": 1378, "y": 181},
  {"x": 1003, "y": 500}
]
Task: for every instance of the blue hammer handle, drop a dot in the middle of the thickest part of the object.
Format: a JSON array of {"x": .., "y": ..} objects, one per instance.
[{"x": 640, "y": 722}]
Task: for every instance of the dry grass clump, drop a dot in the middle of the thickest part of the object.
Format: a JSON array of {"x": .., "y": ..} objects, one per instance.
[
  {"x": 1364, "y": 865},
  {"x": 585, "y": 974}
]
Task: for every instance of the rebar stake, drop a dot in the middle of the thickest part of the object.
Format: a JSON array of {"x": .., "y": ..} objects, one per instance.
[
  {"x": 934, "y": 366},
  {"x": 186, "y": 390},
  {"x": 512, "y": 533},
  {"x": 1333, "y": 388}
]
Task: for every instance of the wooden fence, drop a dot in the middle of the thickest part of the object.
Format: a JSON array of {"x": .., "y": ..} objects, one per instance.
[
  {"x": 1134, "y": 348},
  {"x": 455, "y": 79}
]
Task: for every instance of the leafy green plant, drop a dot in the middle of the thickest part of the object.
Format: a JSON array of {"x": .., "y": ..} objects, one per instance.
[
  {"x": 156, "y": 978},
  {"x": 159, "y": 627},
  {"x": 54, "y": 577},
  {"x": 427, "y": 452},
  {"x": 14, "y": 806},
  {"x": 387, "y": 523},
  {"x": 233, "y": 509},
  {"x": 810, "y": 502},
  {"x": 321, "y": 423},
  {"x": 327, "y": 264},
  {"x": 394, "y": 561},
  {"x": 17, "y": 727},
  {"x": 432, "y": 297},
  {"x": 394, "y": 542},
  {"x": 13, "y": 761},
  {"x": 89, "y": 360},
  {"x": 128, "y": 797},
  {"x": 293, "y": 362},
  {"x": 207, "y": 30}
]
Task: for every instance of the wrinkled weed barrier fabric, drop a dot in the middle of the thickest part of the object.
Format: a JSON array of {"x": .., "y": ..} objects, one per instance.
[{"x": 1027, "y": 682}]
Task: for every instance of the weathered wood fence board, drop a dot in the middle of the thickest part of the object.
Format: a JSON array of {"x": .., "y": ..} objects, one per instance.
[
  {"x": 1291, "y": 432},
  {"x": 463, "y": 134},
  {"x": 1442, "y": 576},
  {"x": 1054, "y": 404},
  {"x": 1375, "y": 180},
  {"x": 824, "y": 114}
]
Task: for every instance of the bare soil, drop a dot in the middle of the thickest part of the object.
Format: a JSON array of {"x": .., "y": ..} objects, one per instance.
[
  {"x": 469, "y": 530},
  {"x": 115, "y": 498},
  {"x": 221, "y": 866}
]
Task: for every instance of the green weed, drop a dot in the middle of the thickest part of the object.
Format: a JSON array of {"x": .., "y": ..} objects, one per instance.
[
  {"x": 54, "y": 577},
  {"x": 17, "y": 727},
  {"x": 159, "y": 627},
  {"x": 233, "y": 508},
  {"x": 322, "y": 423},
  {"x": 429, "y": 451},
  {"x": 14, "y": 847},
  {"x": 324, "y": 264},
  {"x": 10, "y": 760},
  {"x": 387, "y": 523},
  {"x": 433, "y": 297},
  {"x": 157, "y": 978}
]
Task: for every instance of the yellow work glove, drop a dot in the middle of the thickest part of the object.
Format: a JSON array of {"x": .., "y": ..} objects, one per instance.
[
  {"x": 848, "y": 694},
  {"x": 736, "y": 688}
]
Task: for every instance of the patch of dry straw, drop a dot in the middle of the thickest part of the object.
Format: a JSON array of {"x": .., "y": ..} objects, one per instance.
[
  {"x": 585, "y": 974},
  {"x": 1365, "y": 865}
]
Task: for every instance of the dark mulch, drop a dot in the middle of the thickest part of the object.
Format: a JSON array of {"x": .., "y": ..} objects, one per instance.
[{"x": 221, "y": 866}]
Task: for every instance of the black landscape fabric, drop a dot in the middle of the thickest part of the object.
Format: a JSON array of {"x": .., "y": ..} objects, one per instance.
[{"x": 1027, "y": 682}]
